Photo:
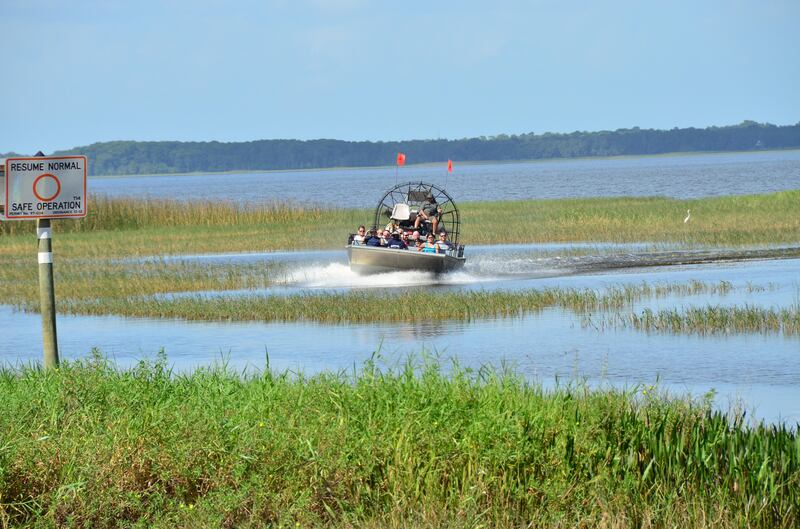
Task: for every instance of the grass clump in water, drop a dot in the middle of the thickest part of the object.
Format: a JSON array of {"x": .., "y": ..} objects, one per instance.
[
  {"x": 714, "y": 320},
  {"x": 92, "y": 445},
  {"x": 370, "y": 306}
]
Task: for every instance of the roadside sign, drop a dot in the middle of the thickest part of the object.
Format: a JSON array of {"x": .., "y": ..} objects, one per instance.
[{"x": 45, "y": 187}]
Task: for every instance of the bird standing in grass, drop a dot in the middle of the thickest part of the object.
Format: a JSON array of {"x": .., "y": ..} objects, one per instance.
[{"x": 688, "y": 214}]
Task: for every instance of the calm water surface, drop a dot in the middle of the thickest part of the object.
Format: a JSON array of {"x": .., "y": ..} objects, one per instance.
[{"x": 679, "y": 176}]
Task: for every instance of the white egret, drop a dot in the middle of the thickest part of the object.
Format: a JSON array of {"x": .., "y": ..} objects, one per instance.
[{"x": 688, "y": 214}]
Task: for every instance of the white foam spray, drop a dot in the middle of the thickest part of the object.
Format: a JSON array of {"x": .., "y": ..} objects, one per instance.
[{"x": 337, "y": 275}]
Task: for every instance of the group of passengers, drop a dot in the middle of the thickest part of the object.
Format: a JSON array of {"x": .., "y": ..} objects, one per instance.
[{"x": 397, "y": 238}]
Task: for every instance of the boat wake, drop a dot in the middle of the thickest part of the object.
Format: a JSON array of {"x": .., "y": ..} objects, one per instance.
[
  {"x": 525, "y": 262},
  {"x": 512, "y": 266},
  {"x": 339, "y": 276},
  {"x": 509, "y": 265}
]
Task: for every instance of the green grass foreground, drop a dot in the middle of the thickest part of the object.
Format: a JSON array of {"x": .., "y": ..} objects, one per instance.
[{"x": 90, "y": 445}]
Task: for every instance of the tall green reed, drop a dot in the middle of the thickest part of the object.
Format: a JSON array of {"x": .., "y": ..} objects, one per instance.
[{"x": 422, "y": 443}]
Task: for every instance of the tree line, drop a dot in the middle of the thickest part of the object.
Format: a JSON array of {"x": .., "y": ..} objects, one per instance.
[{"x": 138, "y": 157}]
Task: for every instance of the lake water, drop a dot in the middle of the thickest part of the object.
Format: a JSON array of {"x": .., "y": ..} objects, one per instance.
[
  {"x": 678, "y": 176},
  {"x": 759, "y": 372}
]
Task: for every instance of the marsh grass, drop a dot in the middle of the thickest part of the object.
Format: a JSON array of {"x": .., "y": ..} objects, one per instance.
[
  {"x": 91, "y": 445},
  {"x": 136, "y": 289},
  {"x": 119, "y": 214},
  {"x": 370, "y": 306},
  {"x": 91, "y": 285},
  {"x": 88, "y": 279},
  {"x": 128, "y": 227},
  {"x": 713, "y": 320},
  {"x": 90, "y": 253},
  {"x": 125, "y": 227},
  {"x": 731, "y": 220}
]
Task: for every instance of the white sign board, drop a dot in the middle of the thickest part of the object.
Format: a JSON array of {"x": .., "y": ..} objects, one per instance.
[{"x": 45, "y": 187}]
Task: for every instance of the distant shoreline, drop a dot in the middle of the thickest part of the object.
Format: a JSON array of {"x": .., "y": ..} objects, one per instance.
[
  {"x": 127, "y": 157},
  {"x": 470, "y": 163}
]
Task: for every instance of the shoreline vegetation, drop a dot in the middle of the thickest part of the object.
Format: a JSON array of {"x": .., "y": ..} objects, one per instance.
[
  {"x": 419, "y": 444},
  {"x": 135, "y": 157},
  {"x": 466, "y": 163}
]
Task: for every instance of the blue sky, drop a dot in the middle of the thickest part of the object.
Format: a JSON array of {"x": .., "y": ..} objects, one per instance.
[{"x": 82, "y": 71}]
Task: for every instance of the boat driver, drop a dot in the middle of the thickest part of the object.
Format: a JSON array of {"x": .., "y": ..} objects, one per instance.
[{"x": 429, "y": 211}]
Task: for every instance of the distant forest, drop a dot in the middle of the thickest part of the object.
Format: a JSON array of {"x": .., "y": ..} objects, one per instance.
[{"x": 136, "y": 157}]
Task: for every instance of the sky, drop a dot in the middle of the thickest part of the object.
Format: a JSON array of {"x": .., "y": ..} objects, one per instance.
[{"x": 78, "y": 72}]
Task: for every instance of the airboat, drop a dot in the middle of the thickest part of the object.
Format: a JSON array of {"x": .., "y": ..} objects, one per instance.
[{"x": 400, "y": 206}]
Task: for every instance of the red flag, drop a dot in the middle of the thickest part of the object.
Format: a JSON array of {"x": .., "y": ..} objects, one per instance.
[
  {"x": 449, "y": 166},
  {"x": 401, "y": 158}
]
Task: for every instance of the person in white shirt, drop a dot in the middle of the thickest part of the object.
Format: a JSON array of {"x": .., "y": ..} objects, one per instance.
[{"x": 360, "y": 237}]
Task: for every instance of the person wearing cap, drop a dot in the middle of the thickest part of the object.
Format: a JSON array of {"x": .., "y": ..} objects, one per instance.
[
  {"x": 430, "y": 211},
  {"x": 396, "y": 242}
]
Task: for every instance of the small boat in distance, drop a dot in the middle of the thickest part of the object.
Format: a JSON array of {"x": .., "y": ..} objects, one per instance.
[{"x": 400, "y": 207}]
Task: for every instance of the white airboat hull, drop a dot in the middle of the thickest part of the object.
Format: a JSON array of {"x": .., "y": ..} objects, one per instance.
[{"x": 377, "y": 260}]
